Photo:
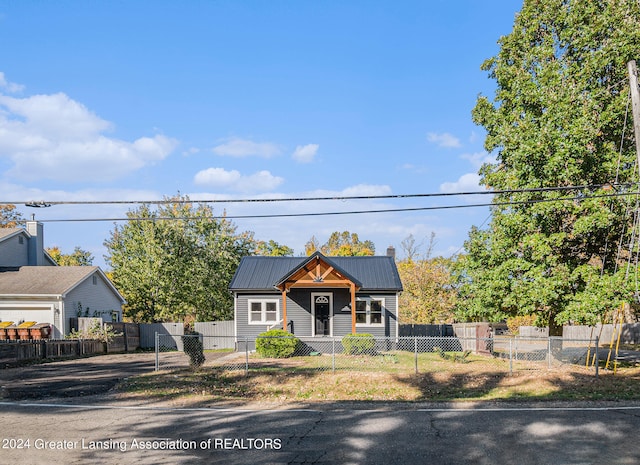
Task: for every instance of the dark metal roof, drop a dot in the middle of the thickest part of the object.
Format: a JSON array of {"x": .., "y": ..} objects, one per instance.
[{"x": 263, "y": 273}]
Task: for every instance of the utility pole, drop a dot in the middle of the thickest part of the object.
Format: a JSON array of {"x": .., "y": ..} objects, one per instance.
[{"x": 635, "y": 103}]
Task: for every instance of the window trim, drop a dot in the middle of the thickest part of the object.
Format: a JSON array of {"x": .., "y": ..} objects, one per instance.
[
  {"x": 263, "y": 311},
  {"x": 368, "y": 300}
]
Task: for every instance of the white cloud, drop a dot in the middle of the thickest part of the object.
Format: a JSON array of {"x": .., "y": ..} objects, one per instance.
[
  {"x": 478, "y": 159},
  {"x": 236, "y": 147},
  {"x": 191, "y": 151},
  {"x": 235, "y": 181},
  {"x": 55, "y": 137},
  {"x": 414, "y": 169},
  {"x": 217, "y": 177},
  {"x": 366, "y": 190},
  {"x": 466, "y": 183},
  {"x": 9, "y": 86},
  {"x": 305, "y": 153},
  {"x": 444, "y": 140}
]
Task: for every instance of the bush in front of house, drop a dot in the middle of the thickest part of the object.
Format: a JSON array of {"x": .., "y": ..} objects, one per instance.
[
  {"x": 276, "y": 343},
  {"x": 357, "y": 344}
]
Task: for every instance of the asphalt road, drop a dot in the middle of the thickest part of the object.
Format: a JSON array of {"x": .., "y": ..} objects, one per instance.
[
  {"x": 63, "y": 413},
  {"x": 34, "y": 433}
]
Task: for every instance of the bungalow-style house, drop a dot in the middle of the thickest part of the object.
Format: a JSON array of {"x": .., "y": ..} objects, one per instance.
[
  {"x": 34, "y": 288},
  {"x": 317, "y": 296}
]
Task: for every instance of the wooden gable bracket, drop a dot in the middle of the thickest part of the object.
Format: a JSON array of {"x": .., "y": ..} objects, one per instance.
[{"x": 312, "y": 275}]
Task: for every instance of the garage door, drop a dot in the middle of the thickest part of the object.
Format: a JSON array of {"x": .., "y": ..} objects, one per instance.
[{"x": 16, "y": 314}]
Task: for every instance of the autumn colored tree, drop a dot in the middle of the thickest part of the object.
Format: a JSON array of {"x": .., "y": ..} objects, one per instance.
[
  {"x": 429, "y": 296},
  {"x": 9, "y": 216},
  {"x": 272, "y": 249},
  {"x": 341, "y": 244},
  {"x": 78, "y": 257}
]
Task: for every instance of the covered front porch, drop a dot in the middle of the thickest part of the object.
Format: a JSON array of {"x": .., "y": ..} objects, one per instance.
[{"x": 323, "y": 290}]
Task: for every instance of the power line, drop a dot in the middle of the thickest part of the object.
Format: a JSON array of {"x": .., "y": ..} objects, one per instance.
[
  {"x": 352, "y": 212},
  {"x": 49, "y": 203}
]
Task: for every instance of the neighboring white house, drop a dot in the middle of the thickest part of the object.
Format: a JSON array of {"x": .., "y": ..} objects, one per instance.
[{"x": 34, "y": 288}]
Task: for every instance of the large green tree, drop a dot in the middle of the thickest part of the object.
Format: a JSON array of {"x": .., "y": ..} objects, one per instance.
[
  {"x": 557, "y": 119},
  {"x": 175, "y": 263}
]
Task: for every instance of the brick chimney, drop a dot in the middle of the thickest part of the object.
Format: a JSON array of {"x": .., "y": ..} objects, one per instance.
[{"x": 391, "y": 252}]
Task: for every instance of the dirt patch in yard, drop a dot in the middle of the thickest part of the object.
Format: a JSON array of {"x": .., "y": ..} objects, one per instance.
[
  {"x": 287, "y": 382},
  {"x": 72, "y": 378},
  {"x": 131, "y": 377}
]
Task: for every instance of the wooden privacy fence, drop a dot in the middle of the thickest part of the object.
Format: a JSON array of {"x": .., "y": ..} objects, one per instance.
[
  {"x": 13, "y": 353},
  {"x": 128, "y": 340},
  {"x": 629, "y": 333}
]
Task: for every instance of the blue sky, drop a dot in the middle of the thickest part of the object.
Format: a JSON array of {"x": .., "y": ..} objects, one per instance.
[{"x": 119, "y": 100}]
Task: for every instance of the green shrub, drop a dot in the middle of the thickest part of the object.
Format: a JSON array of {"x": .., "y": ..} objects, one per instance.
[
  {"x": 276, "y": 343},
  {"x": 355, "y": 344},
  {"x": 194, "y": 349},
  {"x": 96, "y": 331}
]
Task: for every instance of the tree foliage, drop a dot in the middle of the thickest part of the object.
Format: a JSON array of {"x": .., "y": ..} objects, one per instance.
[
  {"x": 341, "y": 244},
  {"x": 557, "y": 119},
  {"x": 78, "y": 257},
  {"x": 176, "y": 263},
  {"x": 272, "y": 249},
  {"x": 429, "y": 295},
  {"x": 9, "y": 216}
]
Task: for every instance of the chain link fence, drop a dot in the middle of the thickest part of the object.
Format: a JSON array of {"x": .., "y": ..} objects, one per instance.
[{"x": 359, "y": 353}]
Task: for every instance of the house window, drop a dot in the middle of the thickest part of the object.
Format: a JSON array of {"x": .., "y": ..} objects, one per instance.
[
  {"x": 263, "y": 312},
  {"x": 361, "y": 312},
  {"x": 369, "y": 312}
]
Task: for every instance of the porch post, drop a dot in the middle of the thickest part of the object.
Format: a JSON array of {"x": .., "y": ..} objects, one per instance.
[
  {"x": 284, "y": 308},
  {"x": 353, "y": 308}
]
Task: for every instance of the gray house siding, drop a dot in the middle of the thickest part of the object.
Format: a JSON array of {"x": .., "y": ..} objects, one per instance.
[
  {"x": 97, "y": 299},
  {"x": 299, "y": 312},
  {"x": 341, "y": 319},
  {"x": 13, "y": 252},
  {"x": 303, "y": 279},
  {"x": 389, "y": 316},
  {"x": 243, "y": 328}
]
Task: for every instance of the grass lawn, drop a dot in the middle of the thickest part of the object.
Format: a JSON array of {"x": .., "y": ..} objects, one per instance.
[{"x": 383, "y": 378}]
